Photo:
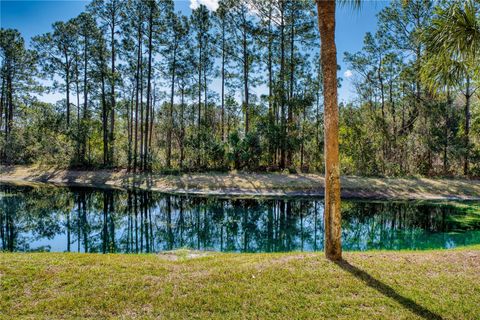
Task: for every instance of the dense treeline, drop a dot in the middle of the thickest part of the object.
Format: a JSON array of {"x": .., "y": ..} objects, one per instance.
[
  {"x": 415, "y": 90},
  {"x": 148, "y": 88}
]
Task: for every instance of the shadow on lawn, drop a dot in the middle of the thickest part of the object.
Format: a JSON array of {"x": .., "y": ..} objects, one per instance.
[{"x": 388, "y": 291}]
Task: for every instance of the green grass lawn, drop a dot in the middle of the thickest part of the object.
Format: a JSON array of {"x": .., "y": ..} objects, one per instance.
[{"x": 181, "y": 285}]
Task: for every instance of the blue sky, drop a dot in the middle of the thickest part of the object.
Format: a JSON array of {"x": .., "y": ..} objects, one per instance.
[{"x": 36, "y": 17}]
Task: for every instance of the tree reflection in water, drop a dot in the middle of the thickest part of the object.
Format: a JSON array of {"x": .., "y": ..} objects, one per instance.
[{"x": 134, "y": 221}]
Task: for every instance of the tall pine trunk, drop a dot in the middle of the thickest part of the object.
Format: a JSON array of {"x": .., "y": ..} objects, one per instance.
[
  {"x": 129, "y": 129},
  {"x": 2, "y": 95},
  {"x": 282, "y": 86},
  {"x": 104, "y": 120},
  {"x": 271, "y": 116},
  {"x": 468, "y": 97},
  {"x": 170, "y": 112},
  {"x": 182, "y": 128},
  {"x": 137, "y": 84},
  {"x": 291, "y": 124},
  {"x": 205, "y": 88},
  {"x": 85, "y": 100},
  {"x": 77, "y": 89},
  {"x": 142, "y": 122},
  {"x": 104, "y": 108},
  {"x": 112, "y": 102},
  {"x": 448, "y": 107},
  {"x": 152, "y": 103},
  {"x": 146, "y": 162},
  {"x": 67, "y": 84},
  {"x": 245, "y": 76},
  {"x": 9, "y": 101},
  {"x": 200, "y": 57},
  {"x": 223, "y": 81}
]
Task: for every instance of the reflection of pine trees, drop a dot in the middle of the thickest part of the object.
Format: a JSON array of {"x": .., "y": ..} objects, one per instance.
[
  {"x": 398, "y": 225},
  {"x": 8, "y": 229},
  {"x": 88, "y": 220}
]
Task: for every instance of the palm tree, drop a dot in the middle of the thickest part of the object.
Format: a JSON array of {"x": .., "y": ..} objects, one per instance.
[
  {"x": 454, "y": 38},
  {"x": 328, "y": 54},
  {"x": 332, "y": 213},
  {"x": 441, "y": 74}
]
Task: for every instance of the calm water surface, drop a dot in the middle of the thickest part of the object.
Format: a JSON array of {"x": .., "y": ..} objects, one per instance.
[{"x": 96, "y": 220}]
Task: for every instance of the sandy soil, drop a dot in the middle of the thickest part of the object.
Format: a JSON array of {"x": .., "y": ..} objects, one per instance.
[{"x": 248, "y": 184}]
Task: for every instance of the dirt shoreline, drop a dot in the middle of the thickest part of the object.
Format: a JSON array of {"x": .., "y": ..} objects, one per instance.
[{"x": 248, "y": 184}]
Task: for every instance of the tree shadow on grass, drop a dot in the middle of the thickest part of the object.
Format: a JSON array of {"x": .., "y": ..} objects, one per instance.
[{"x": 388, "y": 291}]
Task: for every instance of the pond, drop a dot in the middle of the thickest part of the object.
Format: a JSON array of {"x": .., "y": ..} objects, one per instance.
[{"x": 76, "y": 219}]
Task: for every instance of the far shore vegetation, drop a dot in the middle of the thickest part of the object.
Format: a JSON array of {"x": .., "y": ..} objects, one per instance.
[{"x": 146, "y": 88}]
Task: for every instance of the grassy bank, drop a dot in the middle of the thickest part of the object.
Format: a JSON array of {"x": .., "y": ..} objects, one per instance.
[
  {"x": 372, "y": 285},
  {"x": 248, "y": 184}
]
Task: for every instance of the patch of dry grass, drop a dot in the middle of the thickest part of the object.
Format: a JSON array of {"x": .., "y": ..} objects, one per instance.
[{"x": 184, "y": 285}]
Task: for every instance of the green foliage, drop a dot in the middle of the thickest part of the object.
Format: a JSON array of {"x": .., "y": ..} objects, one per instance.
[
  {"x": 244, "y": 153},
  {"x": 215, "y": 152}
]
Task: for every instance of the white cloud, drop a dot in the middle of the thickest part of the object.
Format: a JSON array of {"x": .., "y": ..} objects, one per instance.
[
  {"x": 348, "y": 74},
  {"x": 210, "y": 4}
]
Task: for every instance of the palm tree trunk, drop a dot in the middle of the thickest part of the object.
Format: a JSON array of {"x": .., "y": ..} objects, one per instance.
[{"x": 332, "y": 214}]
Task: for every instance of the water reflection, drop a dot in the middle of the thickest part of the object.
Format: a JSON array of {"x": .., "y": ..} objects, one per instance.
[{"x": 93, "y": 220}]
